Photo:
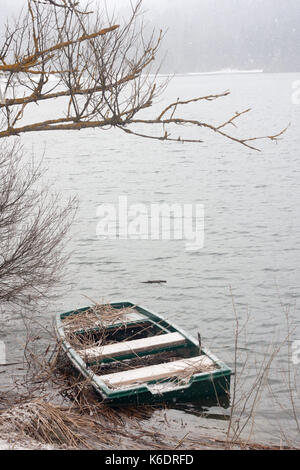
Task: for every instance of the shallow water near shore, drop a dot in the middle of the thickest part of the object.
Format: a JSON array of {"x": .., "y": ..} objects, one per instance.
[{"x": 252, "y": 228}]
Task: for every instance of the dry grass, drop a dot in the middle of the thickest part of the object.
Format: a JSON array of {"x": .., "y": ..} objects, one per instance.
[
  {"x": 62, "y": 410},
  {"x": 46, "y": 423},
  {"x": 97, "y": 315},
  {"x": 60, "y": 427},
  {"x": 57, "y": 407}
]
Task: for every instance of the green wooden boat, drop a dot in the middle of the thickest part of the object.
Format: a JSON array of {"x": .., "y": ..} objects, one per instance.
[{"x": 132, "y": 355}]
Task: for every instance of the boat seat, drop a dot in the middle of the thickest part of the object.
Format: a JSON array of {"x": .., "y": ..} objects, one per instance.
[
  {"x": 135, "y": 346},
  {"x": 130, "y": 319},
  {"x": 182, "y": 367}
]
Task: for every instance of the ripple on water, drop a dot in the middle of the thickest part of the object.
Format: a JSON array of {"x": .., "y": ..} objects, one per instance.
[{"x": 252, "y": 223}]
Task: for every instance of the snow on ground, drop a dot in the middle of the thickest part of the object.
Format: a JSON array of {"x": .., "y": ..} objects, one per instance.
[{"x": 12, "y": 441}]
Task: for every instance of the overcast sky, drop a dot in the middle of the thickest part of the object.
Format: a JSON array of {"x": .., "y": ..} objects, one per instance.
[{"x": 206, "y": 35}]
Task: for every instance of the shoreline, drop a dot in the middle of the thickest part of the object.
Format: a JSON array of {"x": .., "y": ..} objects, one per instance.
[
  {"x": 41, "y": 425},
  {"x": 64, "y": 398}
]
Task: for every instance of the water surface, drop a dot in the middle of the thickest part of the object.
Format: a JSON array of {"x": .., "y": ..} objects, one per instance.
[{"x": 252, "y": 224}]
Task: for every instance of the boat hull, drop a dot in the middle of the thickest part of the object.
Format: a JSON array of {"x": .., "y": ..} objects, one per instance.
[{"x": 206, "y": 387}]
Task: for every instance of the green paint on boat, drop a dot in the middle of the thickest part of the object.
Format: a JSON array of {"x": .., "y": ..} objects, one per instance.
[{"x": 213, "y": 385}]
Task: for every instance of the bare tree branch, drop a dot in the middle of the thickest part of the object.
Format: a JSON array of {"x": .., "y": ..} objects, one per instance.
[
  {"x": 32, "y": 230},
  {"x": 102, "y": 75}
]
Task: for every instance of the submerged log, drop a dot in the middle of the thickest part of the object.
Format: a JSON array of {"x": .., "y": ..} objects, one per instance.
[{"x": 153, "y": 282}]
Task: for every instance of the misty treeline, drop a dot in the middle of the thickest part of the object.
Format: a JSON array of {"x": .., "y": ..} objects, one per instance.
[{"x": 209, "y": 35}]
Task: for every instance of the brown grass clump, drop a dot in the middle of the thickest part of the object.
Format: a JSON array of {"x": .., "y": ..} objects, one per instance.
[
  {"x": 47, "y": 423},
  {"x": 84, "y": 422},
  {"x": 103, "y": 428},
  {"x": 97, "y": 315}
]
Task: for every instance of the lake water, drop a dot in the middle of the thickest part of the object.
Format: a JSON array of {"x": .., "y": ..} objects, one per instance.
[{"x": 252, "y": 224}]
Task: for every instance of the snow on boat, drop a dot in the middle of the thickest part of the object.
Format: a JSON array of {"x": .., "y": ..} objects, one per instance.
[{"x": 132, "y": 355}]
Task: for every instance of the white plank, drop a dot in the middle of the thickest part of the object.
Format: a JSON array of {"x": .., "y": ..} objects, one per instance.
[
  {"x": 188, "y": 366},
  {"x": 135, "y": 346}
]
